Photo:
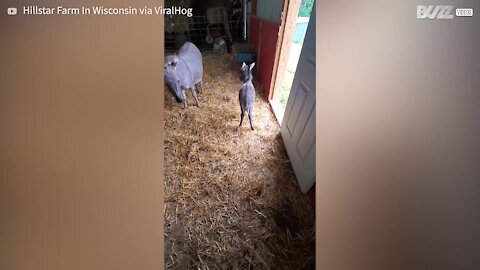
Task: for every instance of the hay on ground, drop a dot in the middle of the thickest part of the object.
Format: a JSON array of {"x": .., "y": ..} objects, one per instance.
[{"x": 231, "y": 196}]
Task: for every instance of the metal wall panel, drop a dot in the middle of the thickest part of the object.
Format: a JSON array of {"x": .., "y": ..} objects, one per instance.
[{"x": 270, "y": 10}]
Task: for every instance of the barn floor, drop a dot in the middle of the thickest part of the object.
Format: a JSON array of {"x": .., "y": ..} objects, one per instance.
[{"x": 231, "y": 197}]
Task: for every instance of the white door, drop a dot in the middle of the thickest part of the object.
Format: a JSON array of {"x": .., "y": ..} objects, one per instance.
[{"x": 298, "y": 125}]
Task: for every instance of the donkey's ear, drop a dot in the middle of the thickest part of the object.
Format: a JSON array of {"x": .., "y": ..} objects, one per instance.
[
  {"x": 252, "y": 65},
  {"x": 243, "y": 65}
]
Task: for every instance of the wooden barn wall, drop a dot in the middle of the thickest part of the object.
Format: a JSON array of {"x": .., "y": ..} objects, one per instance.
[
  {"x": 264, "y": 26},
  {"x": 263, "y": 35},
  {"x": 254, "y": 30}
]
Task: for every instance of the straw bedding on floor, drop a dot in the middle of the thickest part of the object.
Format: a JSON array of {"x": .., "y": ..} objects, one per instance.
[{"x": 231, "y": 197}]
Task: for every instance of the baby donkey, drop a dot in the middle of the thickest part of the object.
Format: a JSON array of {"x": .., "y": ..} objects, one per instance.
[{"x": 247, "y": 94}]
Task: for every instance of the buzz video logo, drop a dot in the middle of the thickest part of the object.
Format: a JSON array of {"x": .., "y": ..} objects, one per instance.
[
  {"x": 442, "y": 12},
  {"x": 434, "y": 12}
]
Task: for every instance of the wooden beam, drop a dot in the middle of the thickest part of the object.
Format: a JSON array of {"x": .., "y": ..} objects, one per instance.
[
  {"x": 280, "y": 35},
  {"x": 287, "y": 28}
]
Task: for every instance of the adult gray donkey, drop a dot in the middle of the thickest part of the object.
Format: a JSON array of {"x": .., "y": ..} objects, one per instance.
[{"x": 184, "y": 70}]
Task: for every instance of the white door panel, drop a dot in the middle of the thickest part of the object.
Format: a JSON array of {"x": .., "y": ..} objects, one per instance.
[{"x": 298, "y": 126}]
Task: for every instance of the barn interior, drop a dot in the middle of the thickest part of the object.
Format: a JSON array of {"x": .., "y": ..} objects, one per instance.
[
  {"x": 211, "y": 19},
  {"x": 232, "y": 200}
]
